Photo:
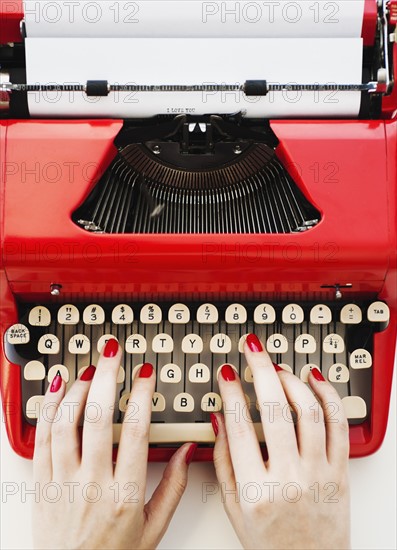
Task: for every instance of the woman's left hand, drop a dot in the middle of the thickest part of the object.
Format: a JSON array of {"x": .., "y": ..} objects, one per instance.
[{"x": 85, "y": 501}]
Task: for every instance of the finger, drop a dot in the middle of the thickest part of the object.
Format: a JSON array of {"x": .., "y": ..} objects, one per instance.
[
  {"x": 278, "y": 430},
  {"x": 98, "y": 419},
  {"x": 161, "y": 507},
  {"x": 66, "y": 446},
  {"x": 310, "y": 427},
  {"x": 336, "y": 424},
  {"x": 243, "y": 443},
  {"x": 224, "y": 471},
  {"x": 134, "y": 441},
  {"x": 42, "y": 459}
]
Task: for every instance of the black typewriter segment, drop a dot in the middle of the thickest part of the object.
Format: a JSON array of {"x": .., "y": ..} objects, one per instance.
[
  {"x": 199, "y": 184},
  {"x": 187, "y": 344}
]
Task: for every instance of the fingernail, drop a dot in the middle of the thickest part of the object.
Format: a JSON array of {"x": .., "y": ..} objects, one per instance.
[
  {"x": 146, "y": 370},
  {"x": 277, "y": 368},
  {"x": 111, "y": 348},
  {"x": 88, "y": 374},
  {"x": 190, "y": 453},
  {"x": 254, "y": 343},
  {"x": 214, "y": 423},
  {"x": 56, "y": 383},
  {"x": 228, "y": 373},
  {"x": 317, "y": 375}
]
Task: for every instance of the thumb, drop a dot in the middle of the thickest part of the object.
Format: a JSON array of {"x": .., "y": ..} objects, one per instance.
[{"x": 165, "y": 499}]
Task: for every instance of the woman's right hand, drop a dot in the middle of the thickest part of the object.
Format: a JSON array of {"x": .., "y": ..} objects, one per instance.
[{"x": 299, "y": 497}]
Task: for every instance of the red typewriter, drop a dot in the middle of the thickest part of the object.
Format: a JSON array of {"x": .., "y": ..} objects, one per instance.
[{"x": 182, "y": 220}]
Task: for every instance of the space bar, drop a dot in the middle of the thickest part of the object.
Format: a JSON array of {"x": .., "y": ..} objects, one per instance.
[{"x": 200, "y": 432}]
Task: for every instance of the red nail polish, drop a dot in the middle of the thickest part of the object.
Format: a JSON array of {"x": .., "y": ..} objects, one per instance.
[
  {"x": 190, "y": 453},
  {"x": 146, "y": 370},
  {"x": 56, "y": 383},
  {"x": 214, "y": 423},
  {"x": 317, "y": 375},
  {"x": 254, "y": 343},
  {"x": 111, "y": 348},
  {"x": 277, "y": 368},
  {"x": 88, "y": 374},
  {"x": 228, "y": 373}
]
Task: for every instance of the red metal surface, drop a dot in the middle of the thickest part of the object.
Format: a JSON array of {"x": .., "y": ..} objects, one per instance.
[
  {"x": 369, "y": 22},
  {"x": 347, "y": 168},
  {"x": 338, "y": 161},
  {"x": 11, "y": 14}
]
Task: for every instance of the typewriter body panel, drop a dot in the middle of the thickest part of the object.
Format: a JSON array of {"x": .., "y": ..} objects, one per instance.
[{"x": 345, "y": 168}]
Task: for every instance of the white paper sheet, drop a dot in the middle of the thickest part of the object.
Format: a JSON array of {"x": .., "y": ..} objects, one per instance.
[
  {"x": 194, "y": 61},
  {"x": 194, "y": 18}
]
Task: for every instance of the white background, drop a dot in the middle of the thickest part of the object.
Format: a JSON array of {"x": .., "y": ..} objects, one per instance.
[{"x": 201, "y": 525}]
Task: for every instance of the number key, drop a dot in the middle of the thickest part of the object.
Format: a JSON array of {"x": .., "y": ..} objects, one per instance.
[
  {"x": 93, "y": 315},
  {"x": 122, "y": 314},
  {"x": 264, "y": 314},
  {"x": 68, "y": 315},
  {"x": 236, "y": 314}
]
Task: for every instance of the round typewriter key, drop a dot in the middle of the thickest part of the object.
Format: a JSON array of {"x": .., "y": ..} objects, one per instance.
[
  {"x": 277, "y": 343},
  {"x": 304, "y": 373},
  {"x": 378, "y": 312},
  {"x": 320, "y": 314},
  {"x": 158, "y": 402},
  {"x": 305, "y": 343},
  {"x": 163, "y": 343},
  {"x": 211, "y": 402},
  {"x": 122, "y": 314},
  {"x": 79, "y": 344},
  {"x": 171, "y": 374},
  {"x": 184, "y": 402},
  {"x": 48, "y": 345},
  {"x": 39, "y": 316},
  {"x": 220, "y": 343},
  {"x": 151, "y": 314},
  {"x": 236, "y": 314},
  {"x": 199, "y": 374},
  {"x": 293, "y": 314},
  {"x": 333, "y": 343},
  {"x": 207, "y": 314},
  {"x": 53, "y": 372},
  {"x": 338, "y": 373},
  {"x": 351, "y": 314},
  {"x": 18, "y": 334},
  {"x": 355, "y": 407},
  {"x": 34, "y": 370},
  {"x": 93, "y": 315},
  {"x": 136, "y": 344},
  {"x": 179, "y": 314},
  {"x": 192, "y": 343},
  {"x": 68, "y": 315},
  {"x": 264, "y": 314},
  {"x": 360, "y": 359}
]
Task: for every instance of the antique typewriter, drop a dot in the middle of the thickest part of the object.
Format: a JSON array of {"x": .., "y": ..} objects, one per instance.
[{"x": 179, "y": 177}]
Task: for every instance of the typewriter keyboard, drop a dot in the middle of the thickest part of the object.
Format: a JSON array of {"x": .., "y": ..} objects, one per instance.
[{"x": 187, "y": 344}]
